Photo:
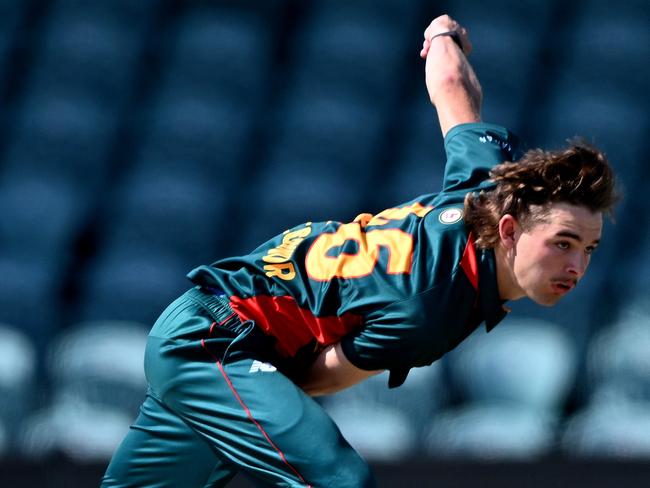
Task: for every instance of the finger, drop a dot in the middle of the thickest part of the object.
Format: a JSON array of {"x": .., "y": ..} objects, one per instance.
[{"x": 425, "y": 48}]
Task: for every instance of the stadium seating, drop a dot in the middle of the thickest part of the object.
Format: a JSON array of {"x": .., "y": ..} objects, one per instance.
[
  {"x": 144, "y": 137},
  {"x": 169, "y": 210},
  {"x": 348, "y": 48},
  {"x": 29, "y": 295},
  {"x": 87, "y": 53},
  {"x": 131, "y": 283},
  {"x": 62, "y": 134},
  {"x": 206, "y": 134},
  {"x": 220, "y": 51},
  {"x": 96, "y": 371},
  {"x": 386, "y": 424},
  {"x": 71, "y": 430},
  {"x": 18, "y": 383},
  {"x": 502, "y": 54},
  {"x": 43, "y": 215},
  {"x": 11, "y": 14},
  {"x": 615, "y": 422},
  {"x": 513, "y": 383},
  {"x": 417, "y": 166}
]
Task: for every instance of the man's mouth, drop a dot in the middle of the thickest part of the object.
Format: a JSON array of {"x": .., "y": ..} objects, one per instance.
[{"x": 563, "y": 287}]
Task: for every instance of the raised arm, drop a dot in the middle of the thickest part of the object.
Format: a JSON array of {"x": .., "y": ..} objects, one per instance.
[{"x": 451, "y": 82}]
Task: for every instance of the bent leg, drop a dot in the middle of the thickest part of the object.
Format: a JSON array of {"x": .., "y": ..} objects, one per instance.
[
  {"x": 161, "y": 451},
  {"x": 263, "y": 423}
]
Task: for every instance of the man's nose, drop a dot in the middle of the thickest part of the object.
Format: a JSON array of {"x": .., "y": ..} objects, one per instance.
[{"x": 578, "y": 265}]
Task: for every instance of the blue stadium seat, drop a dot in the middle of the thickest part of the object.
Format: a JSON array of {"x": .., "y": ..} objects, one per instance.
[
  {"x": 64, "y": 134},
  {"x": 337, "y": 128},
  {"x": 100, "y": 364},
  {"x": 198, "y": 130},
  {"x": 320, "y": 165},
  {"x": 401, "y": 13},
  {"x": 524, "y": 362},
  {"x": 615, "y": 57},
  {"x": 618, "y": 430},
  {"x": 70, "y": 429},
  {"x": 287, "y": 193},
  {"x": 514, "y": 381},
  {"x": 131, "y": 283},
  {"x": 633, "y": 276},
  {"x": 134, "y": 15},
  {"x": 42, "y": 215},
  {"x": 352, "y": 51},
  {"x": 419, "y": 162},
  {"x": 615, "y": 421},
  {"x": 377, "y": 432},
  {"x": 87, "y": 52},
  {"x": 386, "y": 424},
  {"x": 29, "y": 295},
  {"x": 97, "y": 372},
  {"x": 18, "y": 381},
  {"x": 505, "y": 50},
  {"x": 613, "y": 120},
  {"x": 221, "y": 51},
  {"x": 491, "y": 432},
  {"x": 11, "y": 14},
  {"x": 618, "y": 359},
  {"x": 4, "y": 441},
  {"x": 169, "y": 209}
]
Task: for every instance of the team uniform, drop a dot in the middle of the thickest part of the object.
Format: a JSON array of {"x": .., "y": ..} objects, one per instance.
[{"x": 397, "y": 290}]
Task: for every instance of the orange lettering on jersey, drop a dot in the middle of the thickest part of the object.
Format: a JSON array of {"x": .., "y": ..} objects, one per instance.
[
  {"x": 284, "y": 271},
  {"x": 399, "y": 213},
  {"x": 323, "y": 266},
  {"x": 278, "y": 257}
]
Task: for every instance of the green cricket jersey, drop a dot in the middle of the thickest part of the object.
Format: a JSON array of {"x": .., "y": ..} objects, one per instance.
[{"x": 397, "y": 289}]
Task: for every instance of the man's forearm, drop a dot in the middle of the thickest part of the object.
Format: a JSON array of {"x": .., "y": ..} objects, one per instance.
[
  {"x": 332, "y": 372},
  {"x": 451, "y": 82}
]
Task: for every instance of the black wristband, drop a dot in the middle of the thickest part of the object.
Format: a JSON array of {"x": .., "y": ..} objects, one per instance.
[{"x": 454, "y": 35}]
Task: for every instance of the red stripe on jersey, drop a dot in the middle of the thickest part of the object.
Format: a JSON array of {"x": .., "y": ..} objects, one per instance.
[
  {"x": 469, "y": 262},
  {"x": 291, "y": 325}
]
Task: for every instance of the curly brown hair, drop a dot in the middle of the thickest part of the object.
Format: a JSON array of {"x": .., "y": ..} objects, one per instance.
[{"x": 578, "y": 175}]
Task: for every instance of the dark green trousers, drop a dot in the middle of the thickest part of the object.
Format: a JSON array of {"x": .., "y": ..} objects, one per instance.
[{"x": 216, "y": 405}]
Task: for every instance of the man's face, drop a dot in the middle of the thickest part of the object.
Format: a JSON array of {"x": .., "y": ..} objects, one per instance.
[{"x": 552, "y": 255}]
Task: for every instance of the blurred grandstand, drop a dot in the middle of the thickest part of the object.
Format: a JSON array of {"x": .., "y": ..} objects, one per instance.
[{"x": 141, "y": 138}]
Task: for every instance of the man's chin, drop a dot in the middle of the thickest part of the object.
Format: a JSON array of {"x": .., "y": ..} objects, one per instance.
[{"x": 545, "y": 300}]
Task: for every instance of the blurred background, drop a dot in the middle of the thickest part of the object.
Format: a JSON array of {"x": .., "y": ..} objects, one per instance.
[{"x": 141, "y": 138}]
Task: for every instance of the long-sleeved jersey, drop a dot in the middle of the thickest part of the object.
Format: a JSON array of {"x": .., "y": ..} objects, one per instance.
[{"x": 397, "y": 289}]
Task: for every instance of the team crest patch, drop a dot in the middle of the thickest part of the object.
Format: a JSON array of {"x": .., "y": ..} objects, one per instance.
[{"x": 450, "y": 216}]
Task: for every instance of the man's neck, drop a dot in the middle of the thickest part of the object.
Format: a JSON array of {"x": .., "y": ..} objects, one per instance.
[{"x": 508, "y": 287}]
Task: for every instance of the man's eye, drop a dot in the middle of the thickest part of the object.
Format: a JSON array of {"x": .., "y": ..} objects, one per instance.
[
  {"x": 590, "y": 250},
  {"x": 563, "y": 245}
]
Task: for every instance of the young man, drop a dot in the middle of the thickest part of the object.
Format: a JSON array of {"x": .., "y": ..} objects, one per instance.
[{"x": 233, "y": 363}]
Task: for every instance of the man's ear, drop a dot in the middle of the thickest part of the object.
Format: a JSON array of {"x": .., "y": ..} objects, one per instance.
[{"x": 508, "y": 231}]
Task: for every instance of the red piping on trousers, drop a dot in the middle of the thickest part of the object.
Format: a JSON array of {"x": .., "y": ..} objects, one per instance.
[
  {"x": 225, "y": 320},
  {"x": 250, "y": 415}
]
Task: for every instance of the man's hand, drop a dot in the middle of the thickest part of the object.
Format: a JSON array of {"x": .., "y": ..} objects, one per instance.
[{"x": 451, "y": 82}]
